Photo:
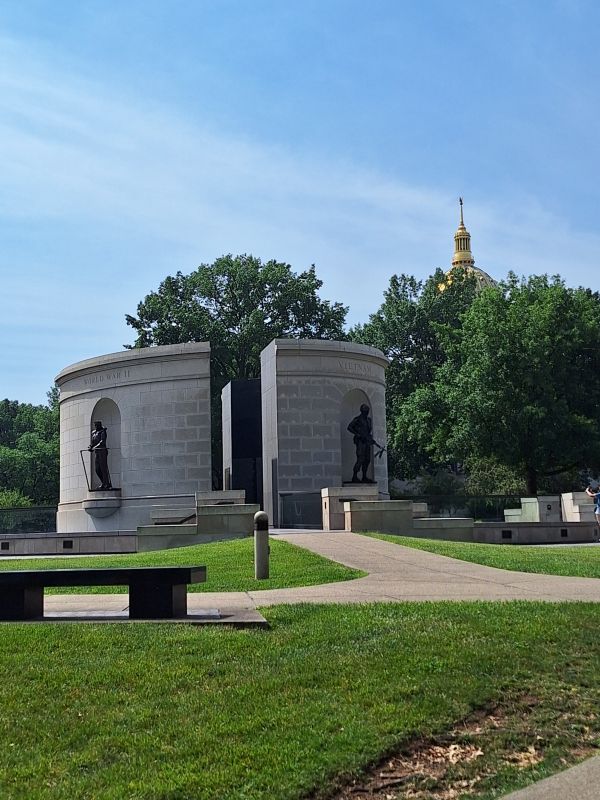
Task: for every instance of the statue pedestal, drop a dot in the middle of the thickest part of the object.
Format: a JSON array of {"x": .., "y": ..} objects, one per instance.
[
  {"x": 102, "y": 503},
  {"x": 334, "y": 497}
]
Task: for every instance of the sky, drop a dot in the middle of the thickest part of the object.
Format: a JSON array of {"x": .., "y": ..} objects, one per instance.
[{"x": 143, "y": 138}]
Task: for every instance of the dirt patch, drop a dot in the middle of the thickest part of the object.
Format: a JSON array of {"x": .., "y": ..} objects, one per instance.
[
  {"x": 463, "y": 762},
  {"x": 420, "y": 772}
]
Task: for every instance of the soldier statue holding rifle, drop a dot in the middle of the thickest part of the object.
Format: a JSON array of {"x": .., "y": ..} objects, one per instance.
[{"x": 361, "y": 428}]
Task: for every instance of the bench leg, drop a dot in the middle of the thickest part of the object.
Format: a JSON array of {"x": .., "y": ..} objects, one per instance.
[
  {"x": 19, "y": 602},
  {"x": 157, "y": 601}
]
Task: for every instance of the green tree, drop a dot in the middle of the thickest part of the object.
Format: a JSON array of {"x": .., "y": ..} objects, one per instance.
[
  {"x": 53, "y": 395},
  {"x": 521, "y": 383},
  {"x": 239, "y": 305},
  {"x": 408, "y": 328},
  {"x": 29, "y": 451},
  {"x": 13, "y": 498},
  {"x": 488, "y": 476}
]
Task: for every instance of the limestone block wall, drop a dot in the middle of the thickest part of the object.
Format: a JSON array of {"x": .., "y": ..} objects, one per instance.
[
  {"x": 311, "y": 389},
  {"x": 155, "y": 403}
]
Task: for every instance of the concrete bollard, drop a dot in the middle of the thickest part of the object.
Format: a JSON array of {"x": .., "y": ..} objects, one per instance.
[{"x": 261, "y": 545}]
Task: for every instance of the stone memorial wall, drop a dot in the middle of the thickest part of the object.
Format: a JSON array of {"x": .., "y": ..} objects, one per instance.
[
  {"x": 311, "y": 390},
  {"x": 155, "y": 405}
]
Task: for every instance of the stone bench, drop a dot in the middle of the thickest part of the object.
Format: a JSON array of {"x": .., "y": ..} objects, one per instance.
[{"x": 154, "y": 592}]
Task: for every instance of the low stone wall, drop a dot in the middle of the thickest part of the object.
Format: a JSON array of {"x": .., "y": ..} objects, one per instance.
[
  {"x": 405, "y": 518},
  {"x": 214, "y": 523},
  {"x": 237, "y": 519},
  {"x": 385, "y": 516},
  {"x": 165, "y": 537},
  {"x": 458, "y": 529},
  {"x": 72, "y": 518},
  {"x": 452, "y": 529},
  {"x": 39, "y": 544},
  {"x": 183, "y": 515},
  {"x": 535, "y": 533}
]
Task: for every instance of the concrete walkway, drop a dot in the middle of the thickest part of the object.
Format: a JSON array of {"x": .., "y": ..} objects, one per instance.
[
  {"x": 395, "y": 574},
  {"x": 577, "y": 783}
]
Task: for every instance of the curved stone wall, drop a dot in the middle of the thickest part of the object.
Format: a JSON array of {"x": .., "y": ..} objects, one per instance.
[
  {"x": 158, "y": 402},
  {"x": 309, "y": 387}
]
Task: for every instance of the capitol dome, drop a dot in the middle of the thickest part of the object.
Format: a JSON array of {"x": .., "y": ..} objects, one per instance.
[{"x": 463, "y": 258}]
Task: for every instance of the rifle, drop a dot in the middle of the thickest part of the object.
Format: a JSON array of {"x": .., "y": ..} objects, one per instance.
[{"x": 381, "y": 450}]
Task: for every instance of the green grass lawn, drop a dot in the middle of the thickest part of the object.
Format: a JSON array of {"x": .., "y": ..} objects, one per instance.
[
  {"x": 561, "y": 560},
  {"x": 230, "y": 566},
  {"x": 174, "y": 712}
]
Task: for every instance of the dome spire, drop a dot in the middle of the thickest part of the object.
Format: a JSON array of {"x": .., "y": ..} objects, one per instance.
[
  {"x": 462, "y": 244},
  {"x": 463, "y": 258}
]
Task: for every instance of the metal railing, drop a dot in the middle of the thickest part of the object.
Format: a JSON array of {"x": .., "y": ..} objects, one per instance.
[
  {"x": 489, "y": 507},
  {"x": 36, "y": 519},
  {"x": 303, "y": 509},
  {"x": 300, "y": 510},
  {"x": 89, "y": 478}
]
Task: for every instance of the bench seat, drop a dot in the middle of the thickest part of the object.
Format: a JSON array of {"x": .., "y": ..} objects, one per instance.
[{"x": 154, "y": 592}]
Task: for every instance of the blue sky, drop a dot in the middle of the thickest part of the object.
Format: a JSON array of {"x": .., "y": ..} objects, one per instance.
[{"x": 142, "y": 138}]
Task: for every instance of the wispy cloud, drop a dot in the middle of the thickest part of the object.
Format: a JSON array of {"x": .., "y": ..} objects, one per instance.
[{"x": 81, "y": 156}]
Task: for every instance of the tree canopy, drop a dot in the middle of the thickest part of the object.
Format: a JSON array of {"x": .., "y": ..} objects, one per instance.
[
  {"x": 239, "y": 304},
  {"x": 29, "y": 452},
  {"x": 520, "y": 383},
  {"x": 408, "y": 328}
]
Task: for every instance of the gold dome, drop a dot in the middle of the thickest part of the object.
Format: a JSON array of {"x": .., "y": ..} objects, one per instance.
[
  {"x": 462, "y": 244},
  {"x": 463, "y": 257}
]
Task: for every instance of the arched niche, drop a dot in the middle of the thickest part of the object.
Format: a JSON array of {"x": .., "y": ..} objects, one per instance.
[
  {"x": 107, "y": 412},
  {"x": 350, "y": 408}
]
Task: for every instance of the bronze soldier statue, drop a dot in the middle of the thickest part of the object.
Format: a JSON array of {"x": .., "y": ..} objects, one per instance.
[
  {"x": 99, "y": 449},
  {"x": 361, "y": 427}
]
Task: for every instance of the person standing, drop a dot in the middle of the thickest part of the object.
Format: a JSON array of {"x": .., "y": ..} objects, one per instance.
[{"x": 595, "y": 494}]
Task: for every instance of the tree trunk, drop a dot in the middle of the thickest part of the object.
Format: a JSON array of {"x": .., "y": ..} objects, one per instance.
[{"x": 532, "y": 481}]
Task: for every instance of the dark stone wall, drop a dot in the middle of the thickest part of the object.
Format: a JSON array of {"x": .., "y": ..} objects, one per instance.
[{"x": 246, "y": 438}]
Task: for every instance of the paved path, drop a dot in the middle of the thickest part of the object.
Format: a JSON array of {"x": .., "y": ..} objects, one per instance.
[
  {"x": 578, "y": 783},
  {"x": 395, "y": 573}
]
